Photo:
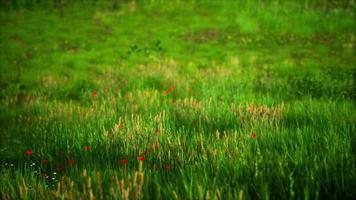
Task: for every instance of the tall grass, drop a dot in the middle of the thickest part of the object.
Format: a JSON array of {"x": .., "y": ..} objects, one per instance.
[{"x": 177, "y": 100}]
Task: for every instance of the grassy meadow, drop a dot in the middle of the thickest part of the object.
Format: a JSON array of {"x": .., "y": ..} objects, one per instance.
[{"x": 177, "y": 99}]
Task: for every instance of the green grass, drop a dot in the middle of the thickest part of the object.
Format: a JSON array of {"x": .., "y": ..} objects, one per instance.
[{"x": 101, "y": 75}]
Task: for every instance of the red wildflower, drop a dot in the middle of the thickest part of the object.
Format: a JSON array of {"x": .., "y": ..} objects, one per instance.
[
  {"x": 253, "y": 135},
  {"x": 169, "y": 90},
  {"x": 86, "y": 148},
  {"x": 94, "y": 93},
  {"x": 28, "y": 152},
  {"x": 70, "y": 162},
  {"x": 45, "y": 162},
  {"x": 141, "y": 158},
  {"x": 123, "y": 162}
]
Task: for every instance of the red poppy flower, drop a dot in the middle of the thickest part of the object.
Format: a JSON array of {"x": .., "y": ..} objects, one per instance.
[
  {"x": 86, "y": 148},
  {"x": 253, "y": 135},
  {"x": 94, "y": 93},
  {"x": 141, "y": 158},
  {"x": 123, "y": 162},
  {"x": 28, "y": 152},
  {"x": 169, "y": 90},
  {"x": 45, "y": 162},
  {"x": 70, "y": 162}
]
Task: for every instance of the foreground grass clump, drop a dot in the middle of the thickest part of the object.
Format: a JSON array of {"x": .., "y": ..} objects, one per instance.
[{"x": 177, "y": 100}]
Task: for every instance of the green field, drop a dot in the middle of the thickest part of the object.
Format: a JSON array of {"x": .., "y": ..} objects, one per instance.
[{"x": 177, "y": 99}]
